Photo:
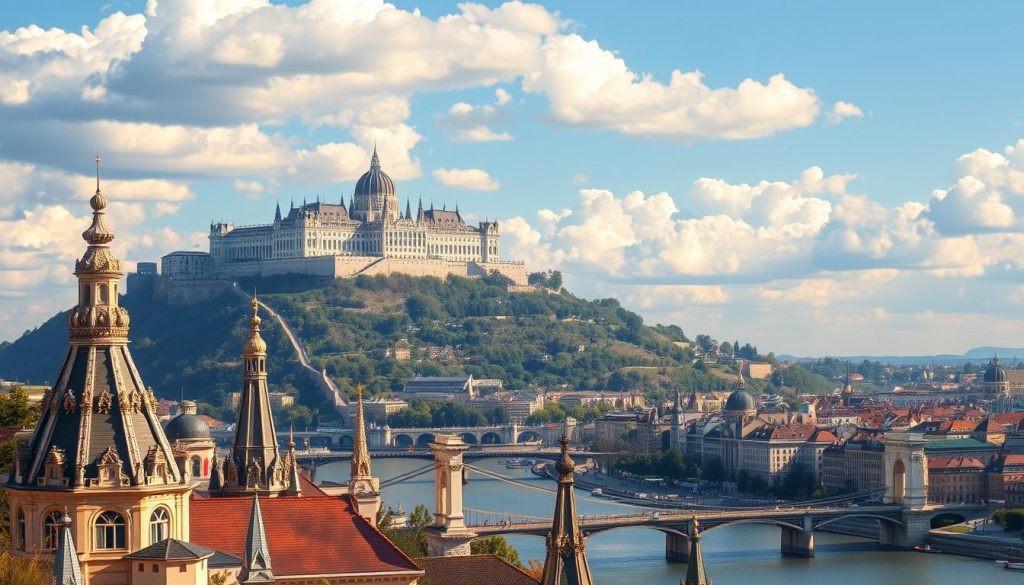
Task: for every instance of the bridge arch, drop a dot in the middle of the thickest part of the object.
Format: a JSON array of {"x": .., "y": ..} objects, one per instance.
[
  {"x": 662, "y": 529},
  {"x": 947, "y": 519},
  {"x": 528, "y": 436},
  {"x": 402, "y": 440},
  {"x": 878, "y": 517},
  {"x": 346, "y": 442},
  {"x": 769, "y": 521},
  {"x": 490, "y": 438},
  {"x": 468, "y": 438},
  {"x": 425, "y": 439},
  {"x": 899, "y": 481}
]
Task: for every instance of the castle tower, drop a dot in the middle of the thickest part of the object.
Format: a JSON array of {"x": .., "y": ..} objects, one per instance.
[
  {"x": 98, "y": 453},
  {"x": 255, "y": 465},
  {"x": 565, "y": 563},
  {"x": 363, "y": 488}
]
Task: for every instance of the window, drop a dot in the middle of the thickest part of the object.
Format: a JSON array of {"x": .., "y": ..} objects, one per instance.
[
  {"x": 51, "y": 530},
  {"x": 159, "y": 525},
  {"x": 197, "y": 469},
  {"x": 21, "y": 529},
  {"x": 110, "y": 531},
  {"x": 104, "y": 299}
]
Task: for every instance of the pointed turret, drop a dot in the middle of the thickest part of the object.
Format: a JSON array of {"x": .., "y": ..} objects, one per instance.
[
  {"x": 256, "y": 566},
  {"x": 695, "y": 574},
  {"x": 277, "y": 213},
  {"x": 419, "y": 212},
  {"x": 565, "y": 563},
  {"x": 216, "y": 475},
  {"x": 677, "y": 406},
  {"x": 374, "y": 160},
  {"x": 408, "y": 208},
  {"x": 294, "y": 484},
  {"x": 257, "y": 464},
  {"x": 66, "y": 569},
  {"x": 363, "y": 488}
]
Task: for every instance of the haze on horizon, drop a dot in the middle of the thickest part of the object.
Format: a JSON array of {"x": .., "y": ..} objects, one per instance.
[{"x": 812, "y": 179}]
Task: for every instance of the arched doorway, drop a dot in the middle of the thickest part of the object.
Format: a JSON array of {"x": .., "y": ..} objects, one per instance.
[{"x": 899, "y": 481}]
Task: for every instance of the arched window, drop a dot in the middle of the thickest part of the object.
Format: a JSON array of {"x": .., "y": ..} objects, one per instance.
[
  {"x": 21, "y": 529},
  {"x": 51, "y": 530},
  {"x": 197, "y": 468},
  {"x": 104, "y": 298},
  {"x": 159, "y": 525},
  {"x": 110, "y": 529}
]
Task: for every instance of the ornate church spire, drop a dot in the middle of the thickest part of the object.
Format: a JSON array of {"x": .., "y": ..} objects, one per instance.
[
  {"x": 256, "y": 566},
  {"x": 695, "y": 574},
  {"x": 277, "y": 213},
  {"x": 408, "y": 208},
  {"x": 98, "y": 426},
  {"x": 374, "y": 160},
  {"x": 255, "y": 465},
  {"x": 565, "y": 563},
  {"x": 363, "y": 488}
]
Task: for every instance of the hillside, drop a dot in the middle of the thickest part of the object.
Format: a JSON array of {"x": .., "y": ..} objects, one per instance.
[{"x": 454, "y": 326}]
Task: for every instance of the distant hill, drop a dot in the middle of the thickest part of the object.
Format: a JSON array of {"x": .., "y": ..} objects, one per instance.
[
  {"x": 454, "y": 326},
  {"x": 976, "y": 355}
]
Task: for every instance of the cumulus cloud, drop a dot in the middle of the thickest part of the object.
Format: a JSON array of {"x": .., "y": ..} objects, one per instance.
[
  {"x": 590, "y": 86},
  {"x": 843, "y": 110},
  {"x": 471, "y": 179},
  {"x": 468, "y": 123}
]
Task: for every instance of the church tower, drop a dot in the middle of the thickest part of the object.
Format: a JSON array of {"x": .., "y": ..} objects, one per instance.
[
  {"x": 363, "y": 488},
  {"x": 565, "y": 563},
  {"x": 255, "y": 465},
  {"x": 98, "y": 452}
]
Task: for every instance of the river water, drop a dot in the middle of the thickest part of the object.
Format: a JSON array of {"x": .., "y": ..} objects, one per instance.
[{"x": 733, "y": 555}]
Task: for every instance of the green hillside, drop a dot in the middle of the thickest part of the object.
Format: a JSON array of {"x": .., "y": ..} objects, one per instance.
[{"x": 454, "y": 326}]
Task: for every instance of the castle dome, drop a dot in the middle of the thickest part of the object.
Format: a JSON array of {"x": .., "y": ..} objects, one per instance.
[
  {"x": 374, "y": 181},
  {"x": 187, "y": 427},
  {"x": 995, "y": 373},
  {"x": 740, "y": 402}
]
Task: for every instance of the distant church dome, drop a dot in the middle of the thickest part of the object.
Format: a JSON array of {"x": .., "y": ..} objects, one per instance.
[
  {"x": 187, "y": 425},
  {"x": 374, "y": 181},
  {"x": 740, "y": 402},
  {"x": 995, "y": 373}
]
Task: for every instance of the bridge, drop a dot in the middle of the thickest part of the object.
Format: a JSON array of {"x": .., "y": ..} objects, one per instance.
[
  {"x": 384, "y": 437},
  {"x": 903, "y": 518}
]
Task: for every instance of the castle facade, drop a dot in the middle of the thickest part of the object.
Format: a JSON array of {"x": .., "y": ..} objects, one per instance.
[{"x": 371, "y": 235}]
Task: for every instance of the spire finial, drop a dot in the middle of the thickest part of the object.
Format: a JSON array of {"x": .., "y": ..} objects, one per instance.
[
  {"x": 375, "y": 160},
  {"x": 98, "y": 159}
]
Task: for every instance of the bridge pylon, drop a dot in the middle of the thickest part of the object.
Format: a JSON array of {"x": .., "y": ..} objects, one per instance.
[{"x": 449, "y": 535}]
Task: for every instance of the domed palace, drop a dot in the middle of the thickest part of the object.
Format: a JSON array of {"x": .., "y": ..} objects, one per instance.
[
  {"x": 995, "y": 382},
  {"x": 339, "y": 240}
]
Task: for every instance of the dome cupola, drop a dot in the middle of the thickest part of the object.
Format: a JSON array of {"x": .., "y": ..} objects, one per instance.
[{"x": 375, "y": 196}]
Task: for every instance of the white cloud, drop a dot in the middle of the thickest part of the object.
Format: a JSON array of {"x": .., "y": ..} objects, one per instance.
[
  {"x": 468, "y": 123},
  {"x": 590, "y": 86},
  {"x": 257, "y": 50},
  {"x": 252, "y": 189},
  {"x": 471, "y": 179},
  {"x": 843, "y": 110}
]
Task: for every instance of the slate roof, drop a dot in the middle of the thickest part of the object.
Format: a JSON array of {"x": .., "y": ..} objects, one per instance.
[
  {"x": 172, "y": 549},
  {"x": 308, "y": 535},
  {"x": 959, "y": 445},
  {"x": 473, "y": 570}
]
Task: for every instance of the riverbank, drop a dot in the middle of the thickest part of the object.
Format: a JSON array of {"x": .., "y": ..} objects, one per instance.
[{"x": 997, "y": 548}]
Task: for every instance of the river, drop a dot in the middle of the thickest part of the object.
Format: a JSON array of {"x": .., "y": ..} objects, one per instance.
[{"x": 733, "y": 555}]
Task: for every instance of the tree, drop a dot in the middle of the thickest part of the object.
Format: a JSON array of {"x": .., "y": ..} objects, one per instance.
[
  {"x": 20, "y": 571},
  {"x": 424, "y": 308},
  {"x": 726, "y": 348},
  {"x": 498, "y": 546},
  {"x": 220, "y": 578},
  {"x": 16, "y": 410},
  {"x": 534, "y": 568},
  {"x": 412, "y": 539}
]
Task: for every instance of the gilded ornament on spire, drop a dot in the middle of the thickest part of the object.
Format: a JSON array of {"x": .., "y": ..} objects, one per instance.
[{"x": 255, "y": 345}]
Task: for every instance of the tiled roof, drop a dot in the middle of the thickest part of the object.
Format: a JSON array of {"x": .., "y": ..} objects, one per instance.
[
  {"x": 989, "y": 426},
  {"x": 792, "y": 432},
  {"x": 957, "y": 462},
  {"x": 473, "y": 570},
  {"x": 307, "y": 535},
  {"x": 172, "y": 549}
]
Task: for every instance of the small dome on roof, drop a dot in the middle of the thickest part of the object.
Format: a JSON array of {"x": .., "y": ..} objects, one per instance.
[
  {"x": 740, "y": 402},
  {"x": 187, "y": 427},
  {"x": 995, "y": 373}
]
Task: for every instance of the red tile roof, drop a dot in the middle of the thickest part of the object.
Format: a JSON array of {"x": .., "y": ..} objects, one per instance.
[
  {"x": 307, "y": 535},
  {"x": 474, "y": 570},
  {"x": 966, "y": 462}
]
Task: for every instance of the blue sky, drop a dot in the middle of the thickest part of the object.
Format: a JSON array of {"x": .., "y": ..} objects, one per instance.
[{"x": 839, "y": 178}]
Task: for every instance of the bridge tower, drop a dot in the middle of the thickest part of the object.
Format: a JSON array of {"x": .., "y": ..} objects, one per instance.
[
  {"x": 449, "y": 535},
  {"x": 905, "y": 470}
]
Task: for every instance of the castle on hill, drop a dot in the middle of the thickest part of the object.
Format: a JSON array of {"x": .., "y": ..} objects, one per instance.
[{"x": 371, "y": 235}]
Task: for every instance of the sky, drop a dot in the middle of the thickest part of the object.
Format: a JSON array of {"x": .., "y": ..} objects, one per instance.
[{"x": 813, "y": 178}]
